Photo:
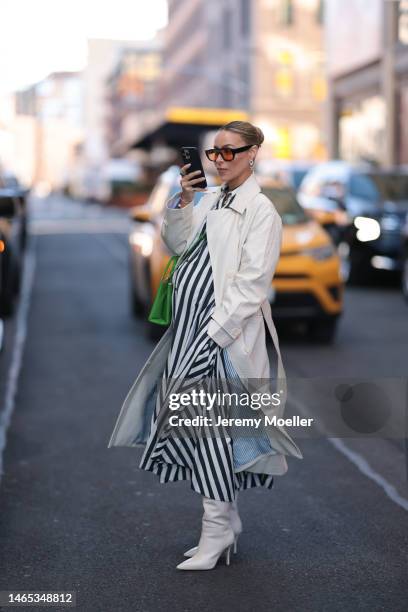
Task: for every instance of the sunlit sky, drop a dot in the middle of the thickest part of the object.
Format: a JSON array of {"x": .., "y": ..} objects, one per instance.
[{"x": 41, "y": 36}]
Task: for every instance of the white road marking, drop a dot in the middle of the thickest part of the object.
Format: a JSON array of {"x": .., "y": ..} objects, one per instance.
[
  {"x": 23, "y": 307},
  {"x": 368, "y": 471},
  {"x": 358, "y": 460}
]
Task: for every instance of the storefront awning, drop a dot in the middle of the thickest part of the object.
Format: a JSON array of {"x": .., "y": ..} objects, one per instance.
[{"x": 184, "y": 125}]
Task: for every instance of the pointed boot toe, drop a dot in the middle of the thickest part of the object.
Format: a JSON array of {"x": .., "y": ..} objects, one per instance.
[
  {"x": 216, "y": 538},
  {"x": 236, "y": 525}
]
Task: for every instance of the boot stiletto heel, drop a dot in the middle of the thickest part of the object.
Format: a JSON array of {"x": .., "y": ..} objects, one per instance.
[
  {"x": 216, "y": 538},
  {"x": 236, "y": 525}
]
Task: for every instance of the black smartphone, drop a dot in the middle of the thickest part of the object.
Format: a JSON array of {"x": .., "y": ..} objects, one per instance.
[{"x": 191, "y": 156}]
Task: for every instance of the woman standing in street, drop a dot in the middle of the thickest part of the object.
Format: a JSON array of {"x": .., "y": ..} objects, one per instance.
[{"x": 230, "y": 244}]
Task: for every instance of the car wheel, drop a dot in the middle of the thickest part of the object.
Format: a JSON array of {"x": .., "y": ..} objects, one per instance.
[
  {"x": 404, "y": 277},
  {"x": 323, "y": 330}
]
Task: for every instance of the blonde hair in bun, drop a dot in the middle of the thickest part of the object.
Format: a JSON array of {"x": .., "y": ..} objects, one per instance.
[{"x": 251, "y": 134}]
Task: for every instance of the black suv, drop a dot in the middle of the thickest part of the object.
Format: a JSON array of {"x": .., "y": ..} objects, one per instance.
[{"x": 376, "y": 203}]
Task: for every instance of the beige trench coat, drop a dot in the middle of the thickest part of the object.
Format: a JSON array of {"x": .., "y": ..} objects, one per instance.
[{"x": 244, "y": 242}]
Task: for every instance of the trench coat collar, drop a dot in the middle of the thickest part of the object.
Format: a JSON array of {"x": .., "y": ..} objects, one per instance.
[{"x": 242, "y": 194}]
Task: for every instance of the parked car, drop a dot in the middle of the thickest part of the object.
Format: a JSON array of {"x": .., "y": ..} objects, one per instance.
[
  {"x": 11, "y": 186},
  {"x": 368, "y": 208},
  {"x": 11, "y": 251},
  {"x": 307, "y": 285},
  {"x": 13, "y": 238},
  {"x": 289, "y": 172},
  {"x": 307, "y": 282}
]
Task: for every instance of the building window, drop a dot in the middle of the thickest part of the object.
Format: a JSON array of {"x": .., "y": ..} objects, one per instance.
[
  {"x": 286, "y": 12},
  {"x": 284, "y": 81},
  {"x": 245, "y": 17},
  {"x": 403, "y": 22},
  {"x": 361, "y": 130}
]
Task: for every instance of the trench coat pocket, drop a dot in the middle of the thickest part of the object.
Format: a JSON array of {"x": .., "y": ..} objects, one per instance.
[{"x": 253, "y": 333}]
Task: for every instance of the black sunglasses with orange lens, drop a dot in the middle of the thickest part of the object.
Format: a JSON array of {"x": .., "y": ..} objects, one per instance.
[{"x": 226, "y": 153}]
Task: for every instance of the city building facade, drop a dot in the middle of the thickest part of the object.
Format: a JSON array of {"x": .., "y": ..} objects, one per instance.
[
  {"x": 48, "y": 128},
  {"x": 368, "y": 80},
  {"x": 246, "y": 59}
]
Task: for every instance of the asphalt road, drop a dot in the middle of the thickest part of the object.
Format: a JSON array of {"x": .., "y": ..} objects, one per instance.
[{"x": 74, "y": 515}]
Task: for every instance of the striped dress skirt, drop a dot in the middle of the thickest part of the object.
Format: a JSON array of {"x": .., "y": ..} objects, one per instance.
[{"x": 211, "y": 458}]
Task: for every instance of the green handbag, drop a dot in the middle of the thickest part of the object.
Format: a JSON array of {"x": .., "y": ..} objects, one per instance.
[{"x": 161, "y": 310}]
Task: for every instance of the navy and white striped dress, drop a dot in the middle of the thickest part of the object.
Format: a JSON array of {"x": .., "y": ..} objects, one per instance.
[{"x": 212, "y": 463}]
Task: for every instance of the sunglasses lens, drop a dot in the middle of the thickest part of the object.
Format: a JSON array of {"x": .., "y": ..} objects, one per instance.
[{"x": 227, "y": 154}]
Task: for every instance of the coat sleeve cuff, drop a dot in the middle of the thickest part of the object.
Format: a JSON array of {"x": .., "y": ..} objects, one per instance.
[
  {"x": 218, "y": 334},
  {"x": 176, "y": 224},
  {"x": 226, "y": 322},
  {"x": 174, "y": 201}
]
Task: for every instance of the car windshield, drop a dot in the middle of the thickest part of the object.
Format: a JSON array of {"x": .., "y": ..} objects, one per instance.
[
  {"x": 362, "y": 186},
  {"x": 392, "y": 186},
  {"x": 286, "y": 204}
]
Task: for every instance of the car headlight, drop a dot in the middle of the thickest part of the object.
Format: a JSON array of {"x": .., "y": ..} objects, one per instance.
[
  {"x": 142, "y": 243},
  {"x": 320, "y": 253},
  {"x": 367, "y": 228}
]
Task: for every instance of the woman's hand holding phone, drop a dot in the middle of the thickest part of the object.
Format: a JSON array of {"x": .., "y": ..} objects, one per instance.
[{"x": 187, "y": 182}]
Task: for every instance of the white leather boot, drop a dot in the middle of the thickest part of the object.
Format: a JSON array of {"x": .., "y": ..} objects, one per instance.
[
  {"x": 236, "y": 525},
  {"x": 216, "y": 536}
]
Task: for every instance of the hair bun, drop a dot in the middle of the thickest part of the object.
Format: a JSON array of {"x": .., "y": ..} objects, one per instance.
[
  {"x": 261, "y": 136},
  {"x": 250, "y": 133}
]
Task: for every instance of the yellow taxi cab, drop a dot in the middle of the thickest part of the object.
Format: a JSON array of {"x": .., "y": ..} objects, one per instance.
[{"x": 307, "y": 285}]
